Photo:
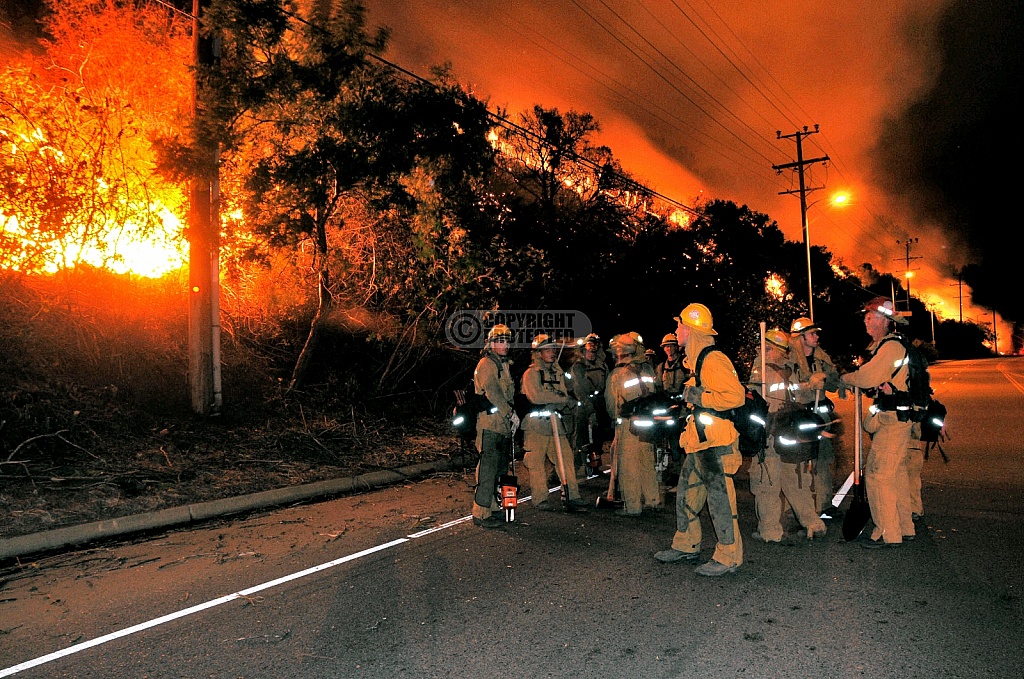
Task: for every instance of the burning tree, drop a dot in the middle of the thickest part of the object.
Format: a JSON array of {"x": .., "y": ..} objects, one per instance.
[
  {"x": 337, "y": 155},
  {"x": 569, "y": 209},
  {"x": 77, "y": 181}
]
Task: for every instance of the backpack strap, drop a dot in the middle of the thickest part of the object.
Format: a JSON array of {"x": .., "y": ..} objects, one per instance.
[
  {"x": 497, "y": 365},
  {"x": 635, "y": 371},
  {"x": 701, "y": 436},
  {"x": 906, "y": 354},
  {"x": 700, "y": 361}
]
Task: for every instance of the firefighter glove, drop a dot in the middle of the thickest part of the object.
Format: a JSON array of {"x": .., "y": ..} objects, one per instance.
[
  {"x": 843, "y": 389},
  {"x": 694, "y": 395},
  {"x": 817, "y": 380}
]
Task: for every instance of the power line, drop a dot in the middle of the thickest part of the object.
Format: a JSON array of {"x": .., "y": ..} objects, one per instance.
[
  {"x": 724, "y": 55},
  {"x": 171, "y": 7},
  {"x": 682, "y": 72},
  {"x": 836, "y": 159},
  {"x": 667, "y": 81},
  {"x": 628, "y": 181},
  {"x": 728, "y": 153}
]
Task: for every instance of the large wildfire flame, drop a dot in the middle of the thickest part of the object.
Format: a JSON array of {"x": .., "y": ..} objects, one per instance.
[
  {"x": 77, "y": 117},
  {"x": 153, "y": 257},
  {"x": 120, "y": 244}
]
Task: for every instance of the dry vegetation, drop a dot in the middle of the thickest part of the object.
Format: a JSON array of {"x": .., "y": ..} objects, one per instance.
[{"x": 94, "y": 422}]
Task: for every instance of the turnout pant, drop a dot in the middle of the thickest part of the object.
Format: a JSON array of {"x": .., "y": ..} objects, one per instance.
[
  {"x": 823, "y": 489},
  {"x": 634, "y": 472},
  {"x": 541, "y": 458},
  {"x": 494, "y": 451},
  {"x": 769, "y": 482},
  {"x": 885, "y": 476},
  {"x": 706, "y": 477},
  {"x": 915, "y": 463}
]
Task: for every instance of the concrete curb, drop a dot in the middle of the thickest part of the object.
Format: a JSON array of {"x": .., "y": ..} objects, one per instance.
[{"x": 59, "y": 538}]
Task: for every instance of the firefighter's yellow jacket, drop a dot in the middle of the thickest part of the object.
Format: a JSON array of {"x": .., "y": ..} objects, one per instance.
[{"x": 722, "y": 391}]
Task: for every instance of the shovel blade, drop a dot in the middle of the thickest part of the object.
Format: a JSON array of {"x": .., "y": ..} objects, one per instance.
[
  {"x": 856, "y": 517},
  {"x": 604, "y": 503}
]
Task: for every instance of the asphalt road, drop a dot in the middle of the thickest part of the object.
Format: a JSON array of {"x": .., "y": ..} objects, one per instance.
[{"x": 553, "y": 595}]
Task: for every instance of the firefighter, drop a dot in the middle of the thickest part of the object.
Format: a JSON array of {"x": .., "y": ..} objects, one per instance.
[
  {"x": 589, "y": 374},
  {"x": 493, "y": 379},
  {"x": 771, "y": 478},
  {"x": 885, "y": 473},
  {"x": 672, "y": 377},
  {"x": 815, "y": 374},
  {"x": 711, "y": 446},
  {"x": 544, "y": 387},
  {"x": 671, "y": 372},
  {"x": 632, "y": 379}
]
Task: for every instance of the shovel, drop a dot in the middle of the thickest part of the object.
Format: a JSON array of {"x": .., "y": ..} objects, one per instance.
[
  {"x": 608, "y": 501},
  {"x": 561, "y": 464},
  {"x": 859, "y": 512}
]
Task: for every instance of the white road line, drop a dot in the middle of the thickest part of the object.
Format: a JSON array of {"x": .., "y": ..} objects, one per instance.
[
  {"x": 443, "y": 526},
  {"x": 77, "y": 648}
]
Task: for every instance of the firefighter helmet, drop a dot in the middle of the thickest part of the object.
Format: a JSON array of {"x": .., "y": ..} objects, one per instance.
[
  {"x": 777, "y": 338},
  {"x": 543, "y": 341},
  {"x": 499, "y": 333},
  {"x": 697, "y": 317},
  {"x": 629, "y": 343},
  {"x": 803, "y": 324},
  {"x": 592, "y": 337},
  {"x": 669, "y": 339},
  {"x": 884, "y": 306}
]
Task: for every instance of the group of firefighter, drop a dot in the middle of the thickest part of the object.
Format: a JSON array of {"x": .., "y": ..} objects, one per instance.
[{"x": 572, "y": 413}]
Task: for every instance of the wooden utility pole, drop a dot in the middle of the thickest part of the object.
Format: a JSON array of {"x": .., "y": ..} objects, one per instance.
[
  {"x": 908, "y": 258},
  {"x": 960, "y": 284},
  {"x": 799, "y": 165},
  {"x": 203, "y": 257}
]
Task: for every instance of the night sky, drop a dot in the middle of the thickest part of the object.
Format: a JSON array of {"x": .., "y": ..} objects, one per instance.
[{"x": 913, "y": 99}]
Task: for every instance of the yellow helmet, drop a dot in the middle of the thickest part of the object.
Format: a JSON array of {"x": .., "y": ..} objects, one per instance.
[
  {"x": 543, "y": 341},
  {"x": 669, "y": 339},
  {"x": 498, "y": 333},
  {"x": 630, "y": 343},
  {"x": 697, "y": 317},
  {"x": 803, "y": 324},
  {"x": 592, "y": 337},
  {"x": 777, "y": 338}
]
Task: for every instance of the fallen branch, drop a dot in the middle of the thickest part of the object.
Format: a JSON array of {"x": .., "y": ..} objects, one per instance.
[
  {"x": 89, "y": 453},
  {"x": 35, "y": 438},
  {"x": 24, "y": 466}
]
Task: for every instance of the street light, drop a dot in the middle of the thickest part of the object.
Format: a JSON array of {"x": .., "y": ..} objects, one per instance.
[
  {"x": 931, "y": 306},
  {"x": 838, "y": 199}
]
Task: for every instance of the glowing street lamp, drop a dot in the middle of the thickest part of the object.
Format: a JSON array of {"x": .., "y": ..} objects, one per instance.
[{"x": 838, "y": 199}]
